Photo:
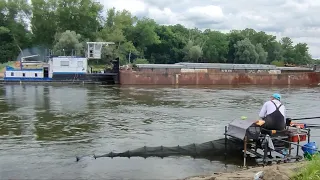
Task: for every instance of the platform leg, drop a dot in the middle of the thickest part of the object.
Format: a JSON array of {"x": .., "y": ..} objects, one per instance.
[
  {"x": 245, "y": 152},
  {"x": 225, "y": 142},
  {"x": 290, "y": 149},
  {"x": 298, "y": 148},
  {"x": 265, "y": 151}
]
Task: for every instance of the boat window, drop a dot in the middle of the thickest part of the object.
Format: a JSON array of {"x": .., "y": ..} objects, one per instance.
[
  {"x": 64, "y": 63},
  {"x": 80, "y": 63},
  {"x": 35, "y": 75},
  {"x": 23, "y": 74},
  {"x": 12, "y": 74}
]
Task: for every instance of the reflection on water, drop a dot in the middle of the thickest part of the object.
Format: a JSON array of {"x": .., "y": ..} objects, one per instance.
[{"x": 42, "y": 127}]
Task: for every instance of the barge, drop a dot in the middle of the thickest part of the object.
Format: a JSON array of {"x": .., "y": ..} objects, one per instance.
[
  {"x": 68, "y": 69},
  {"x": 218, "y": 74}
]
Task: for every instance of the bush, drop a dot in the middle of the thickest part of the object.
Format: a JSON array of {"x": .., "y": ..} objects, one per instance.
[
  {"x": 277, "y": 63},
  {"x": 141, "y": 61},
  {"x": 311, "y": 171}
]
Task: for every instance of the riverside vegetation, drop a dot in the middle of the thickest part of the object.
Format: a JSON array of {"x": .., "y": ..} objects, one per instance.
[
  {"x": 68, "y": 24},
  {"x": 311, "y": 171}
]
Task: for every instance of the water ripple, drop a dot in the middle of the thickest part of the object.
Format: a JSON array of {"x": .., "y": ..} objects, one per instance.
[{"x": 42, "y": 128}]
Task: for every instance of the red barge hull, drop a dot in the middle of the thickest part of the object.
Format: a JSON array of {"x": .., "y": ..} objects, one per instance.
[{"x": 209, "y": 76}]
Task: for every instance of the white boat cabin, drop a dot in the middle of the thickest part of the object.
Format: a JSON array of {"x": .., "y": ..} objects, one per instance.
[
  {"x": 25, "y": 74},
  {"x": 68, "y": 65},
  {"x": 62, "y": 65}
]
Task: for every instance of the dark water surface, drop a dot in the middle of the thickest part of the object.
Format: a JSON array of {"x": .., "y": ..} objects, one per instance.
[{"x": 43, "y": 128}]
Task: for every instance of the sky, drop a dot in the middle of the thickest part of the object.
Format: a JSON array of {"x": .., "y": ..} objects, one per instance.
[{"x": 296, "y": 19}]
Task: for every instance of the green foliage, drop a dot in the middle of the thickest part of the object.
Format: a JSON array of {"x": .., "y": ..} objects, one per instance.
[
  {"x": 68, "y": 43},
  {"x": 68, "y": 24},
  {"x": 277, "y": 63},
  {"x": 141, "y": 61},
  {"x": 311, "y": 171},
  {"x": 316, "y": 61}
]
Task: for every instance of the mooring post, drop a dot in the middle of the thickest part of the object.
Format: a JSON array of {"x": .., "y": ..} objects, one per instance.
[{"x": 245, "y": 151}]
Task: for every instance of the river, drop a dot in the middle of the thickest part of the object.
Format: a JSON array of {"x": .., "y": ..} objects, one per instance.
[{"x": 43, "y": 128}]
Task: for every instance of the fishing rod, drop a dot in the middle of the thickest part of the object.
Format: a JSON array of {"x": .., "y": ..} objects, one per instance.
[{"x": 305, "y": 118}]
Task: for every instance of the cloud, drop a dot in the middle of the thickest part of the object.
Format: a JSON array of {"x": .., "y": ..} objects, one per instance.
[{"x": 297, "y": 19}]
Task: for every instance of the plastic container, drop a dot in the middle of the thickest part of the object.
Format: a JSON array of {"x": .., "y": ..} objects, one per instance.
[
  {"x": 310, "y": 148},
  {"x": 258, "y": 175},
  {"x": 295, "y": 138},
  {"x": 299, "y": 125}
]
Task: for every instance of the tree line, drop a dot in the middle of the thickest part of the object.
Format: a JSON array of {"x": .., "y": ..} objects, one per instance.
[{"x": 67, "y": 24}]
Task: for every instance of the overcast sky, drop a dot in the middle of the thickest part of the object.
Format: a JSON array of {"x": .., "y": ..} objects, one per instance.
[{"x": 297, "y": 19}]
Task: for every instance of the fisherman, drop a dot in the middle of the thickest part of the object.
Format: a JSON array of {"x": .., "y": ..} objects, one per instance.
[{"x": 273, "y": 113}]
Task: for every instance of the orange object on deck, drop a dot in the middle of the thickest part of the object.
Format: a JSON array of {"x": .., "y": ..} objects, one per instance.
[
  {"x": 300, "y": 125},
  {"x": 260, "y": 122},
  {"x": 295, "y": 137}
]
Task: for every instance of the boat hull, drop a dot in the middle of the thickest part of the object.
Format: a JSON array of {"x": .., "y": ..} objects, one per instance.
[
  {"x": 102, "y": 78},
  {"x": 215, "y": 77}
]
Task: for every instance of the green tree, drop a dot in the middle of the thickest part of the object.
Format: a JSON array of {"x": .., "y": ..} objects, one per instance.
[
  {"x": 68, "y": 43},
  {"x": 245, "y": 52},
  {"x": 288, "y": 50},
  {"x": 144, "y": 34},
  {"x": 117, "y": 23},
  {"x": 195, "y": 52},
  {"x": 44, "y": 21},
  {"x": 169, "y": 40},
  {"x": 68, "y": 24},
  {"x": 301, "y": 54},
  {"x": 81, "y": 16},
  {"x": 14, "y": 35},
  {"x": 216, "y": 48},
  {"x": 233, "y": 37},
  {"x": 262, "y": 54}
]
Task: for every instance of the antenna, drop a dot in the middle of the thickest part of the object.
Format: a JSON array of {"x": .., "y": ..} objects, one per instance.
[{"x": 94, "y": 49}]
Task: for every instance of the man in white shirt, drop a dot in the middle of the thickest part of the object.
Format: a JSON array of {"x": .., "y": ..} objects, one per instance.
[{"x": 273, "y": 113}]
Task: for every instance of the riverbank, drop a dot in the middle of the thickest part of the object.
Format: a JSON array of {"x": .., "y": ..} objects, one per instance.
[{"x": 274, "y": 172}]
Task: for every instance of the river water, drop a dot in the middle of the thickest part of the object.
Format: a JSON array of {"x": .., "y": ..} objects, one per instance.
[{"x": 43, "y": 128}]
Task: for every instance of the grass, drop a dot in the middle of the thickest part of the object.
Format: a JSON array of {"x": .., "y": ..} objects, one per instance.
[{"x": 311, "y": 171}]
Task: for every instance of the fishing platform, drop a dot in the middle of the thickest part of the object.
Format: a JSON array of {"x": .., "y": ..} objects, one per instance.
[{"x": 268, "y": 146}]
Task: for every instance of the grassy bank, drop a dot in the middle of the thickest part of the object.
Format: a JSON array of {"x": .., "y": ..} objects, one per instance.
[
  {"x": 304, "y": 170},
  {"x": 310, "y": 171},
  {"x": 283, "y": 171}
]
